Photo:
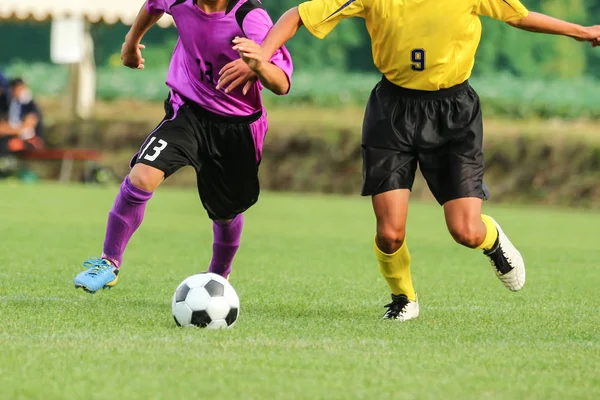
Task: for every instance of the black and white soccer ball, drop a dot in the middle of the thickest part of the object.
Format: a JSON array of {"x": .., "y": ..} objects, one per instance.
[{"x": 207, "y": 301}]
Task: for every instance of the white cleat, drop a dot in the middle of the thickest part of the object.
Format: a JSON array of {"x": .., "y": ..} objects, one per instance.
[
  {"x": 401, "y": 308},
  {"x": 507, "y": 262}
]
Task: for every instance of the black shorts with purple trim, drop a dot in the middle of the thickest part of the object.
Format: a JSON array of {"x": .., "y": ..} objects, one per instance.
[{"x": 221, "y": 149}]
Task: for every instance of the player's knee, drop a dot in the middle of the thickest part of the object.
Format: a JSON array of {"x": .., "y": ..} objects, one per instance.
[
  {"x": 145, "y": 178},
  {"x": 390, "y": 240},
  {"x": 467, "y": 234}
]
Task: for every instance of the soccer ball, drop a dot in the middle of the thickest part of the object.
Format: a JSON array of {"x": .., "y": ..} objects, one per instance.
[{"x": 207, "y": 301}]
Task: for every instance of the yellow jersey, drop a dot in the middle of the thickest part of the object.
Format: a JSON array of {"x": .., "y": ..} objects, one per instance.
[{"x": 417, "y": 44}]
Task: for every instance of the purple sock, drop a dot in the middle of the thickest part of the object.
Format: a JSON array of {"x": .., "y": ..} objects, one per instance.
[
  {"x": 123, "y": 220},
  {"x": 225, "y": 245}
]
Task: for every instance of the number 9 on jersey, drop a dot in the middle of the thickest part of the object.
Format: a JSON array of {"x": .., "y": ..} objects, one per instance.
[{"x": 417, "y": 58}]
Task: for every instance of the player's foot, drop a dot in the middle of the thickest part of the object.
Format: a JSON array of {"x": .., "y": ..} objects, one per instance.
[
  {"x": 100, "y": 274},
  {"x": 401, "y": 308},
  {"x": 507, "y": 262}
]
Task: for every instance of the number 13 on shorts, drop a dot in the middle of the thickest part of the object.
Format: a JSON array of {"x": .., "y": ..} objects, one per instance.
[{"x": 156, "y": 149}]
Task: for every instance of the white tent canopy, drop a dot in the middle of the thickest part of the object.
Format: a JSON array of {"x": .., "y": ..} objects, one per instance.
[{"x": 108, "y": 11}]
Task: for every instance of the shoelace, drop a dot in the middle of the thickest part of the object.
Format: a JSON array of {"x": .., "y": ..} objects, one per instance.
[
  {"x": 96, "y": 265},
  {"x": 397, "y": 306},
  {"x": 500, "y": 260}
]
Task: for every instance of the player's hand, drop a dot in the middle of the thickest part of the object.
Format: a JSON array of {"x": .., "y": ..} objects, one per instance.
[
  {"x": 594, "y": 32},
  {"x": 131, "y": 55},
  {"x": 234, "y": 74},
  {"x": 250, "y": 52},
  {"x": 591, "y": 34}
]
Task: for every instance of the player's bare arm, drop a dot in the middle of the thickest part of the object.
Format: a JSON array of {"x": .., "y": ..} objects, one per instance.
[
  {"x": 131, "y": 51},
  {"x": 536, "y": 22},
  {"x": 285, "y": 29},
  {"x": 271, "y": 76}
]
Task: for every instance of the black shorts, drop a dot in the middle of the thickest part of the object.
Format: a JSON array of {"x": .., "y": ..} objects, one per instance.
[
  {"x": 221, "y": 150},
  {"x": 442, "y": 131}
]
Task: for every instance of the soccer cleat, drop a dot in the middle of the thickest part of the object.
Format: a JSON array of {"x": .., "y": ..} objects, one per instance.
[
  {"x": 100, "y": 274},
  {"x": 507, "y": 262},
  {"x": 401, "y": 308}
]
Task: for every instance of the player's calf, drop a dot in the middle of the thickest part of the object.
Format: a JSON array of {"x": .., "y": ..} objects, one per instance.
[
  {"x": 124, "y": 219},
  {"x": 226, "y": 242},
  {"x": 463, "y": 219},
  {"x": 468, "y": 236},
  {"x": 472, "y": 229},
  {"x": 469, "y": 232}
]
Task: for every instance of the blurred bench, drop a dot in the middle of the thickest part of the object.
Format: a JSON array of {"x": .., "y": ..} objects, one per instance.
[{"x": 67, "y": 157}]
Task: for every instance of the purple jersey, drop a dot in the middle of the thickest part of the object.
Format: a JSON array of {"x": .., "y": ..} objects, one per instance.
[{"x": 205, "y": 46}]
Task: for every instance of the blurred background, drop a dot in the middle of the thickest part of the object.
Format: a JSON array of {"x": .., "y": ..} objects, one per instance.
[{"x": 539, "y": 95}]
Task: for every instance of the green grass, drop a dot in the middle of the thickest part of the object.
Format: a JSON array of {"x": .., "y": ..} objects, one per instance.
[{"x": 311, "y": 298}]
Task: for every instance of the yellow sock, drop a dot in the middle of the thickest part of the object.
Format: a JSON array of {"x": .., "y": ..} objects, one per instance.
[
  {"x": 395, "y": 268},
  {"x": 491, "y": 233}
]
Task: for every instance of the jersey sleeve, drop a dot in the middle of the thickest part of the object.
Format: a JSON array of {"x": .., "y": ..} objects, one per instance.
[
  {"x": 256, "y": 26},
  {"x": 502, "y": 10},
  {"x": 321, "y": 16},
  {"x": 155, "y": 7}
]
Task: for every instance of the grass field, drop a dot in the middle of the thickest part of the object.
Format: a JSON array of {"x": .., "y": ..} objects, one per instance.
[{"x": 311, "y": 298}]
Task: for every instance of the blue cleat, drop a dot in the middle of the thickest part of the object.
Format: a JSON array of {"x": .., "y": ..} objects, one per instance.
[{"x": 100, "y": 274}]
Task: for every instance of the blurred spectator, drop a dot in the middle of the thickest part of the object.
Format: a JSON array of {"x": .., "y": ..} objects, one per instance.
[
  {"x": 3, "y": 81},
  {"x": 4, "y": 97},
  {"x": 23, "y": 127}
]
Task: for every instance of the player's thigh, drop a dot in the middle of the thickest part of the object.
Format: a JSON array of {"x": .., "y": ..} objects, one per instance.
[
  {"x": 391, "y": 211},
  {"x": 228, "y": 176},
  {"x": 171, "y": 146}
]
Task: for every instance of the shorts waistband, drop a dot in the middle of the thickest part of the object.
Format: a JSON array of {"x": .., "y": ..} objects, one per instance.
[
  {"x": 231, "y": 119},
  {"x": 425, "y": 94}
]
